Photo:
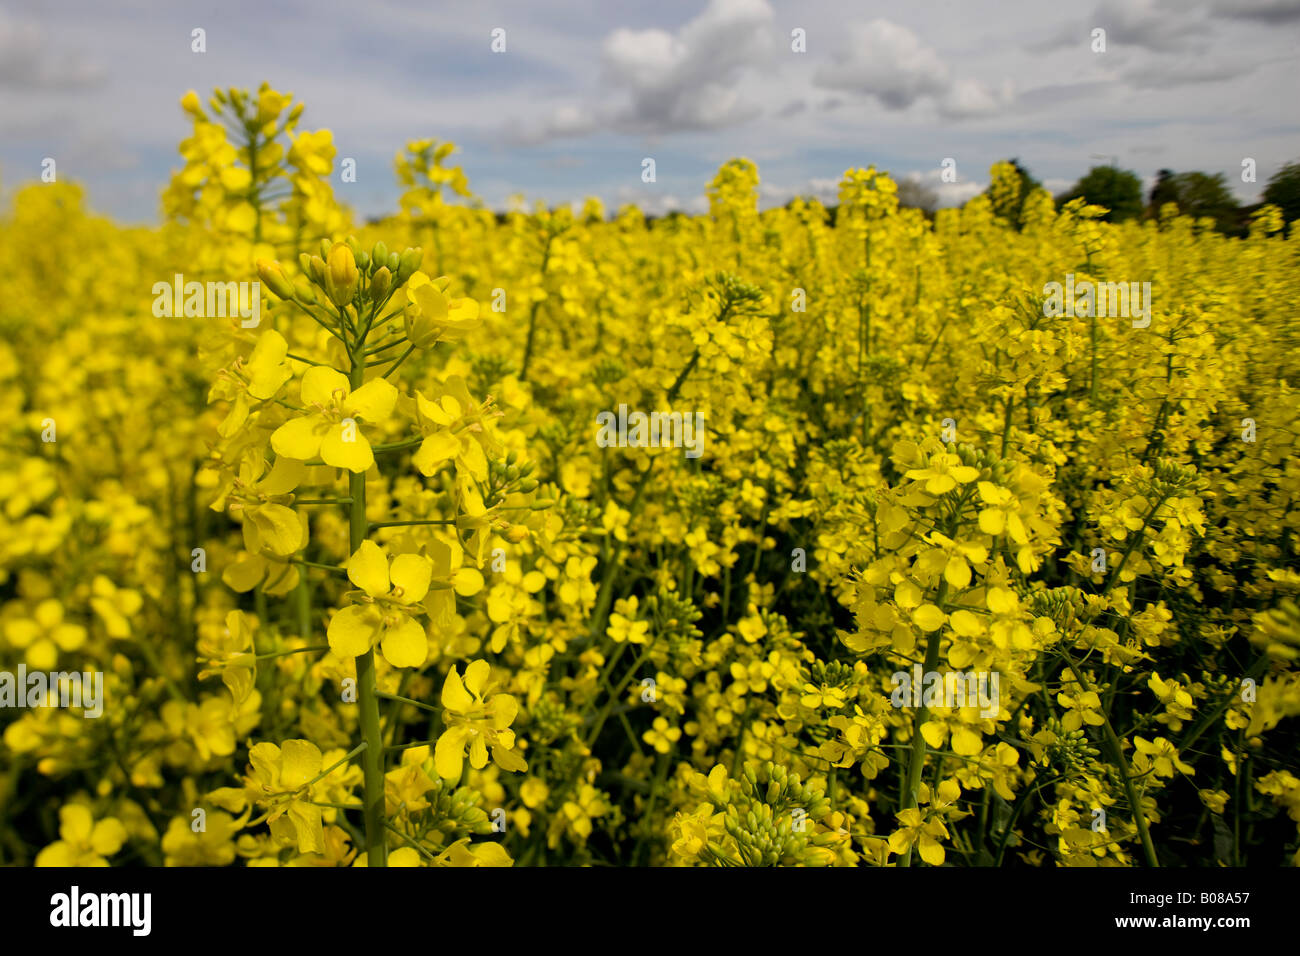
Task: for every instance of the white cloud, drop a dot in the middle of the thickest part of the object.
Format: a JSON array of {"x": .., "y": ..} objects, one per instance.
[
  {"x": 664, "y": 82},
  {"x": 886, "y": 60}
]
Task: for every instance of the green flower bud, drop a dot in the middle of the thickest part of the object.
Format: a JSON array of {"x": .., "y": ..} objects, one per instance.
[
  {"x": 380, "y": 283},
  {"x": 409, "y": 262}
]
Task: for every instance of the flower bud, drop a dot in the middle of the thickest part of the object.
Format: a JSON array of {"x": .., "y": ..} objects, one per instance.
[
  {"x": 380, "y": 253},
  {"x": 274, "y": 279},
  {"x": 410, "y": 261},
  {"x": 380, "y": 283},
  {"x": 316, "y": 269},
  {"x": 304, "y": 292},
  {"x": 341, "y": 277},
  {"x": 325, "y": 247}
]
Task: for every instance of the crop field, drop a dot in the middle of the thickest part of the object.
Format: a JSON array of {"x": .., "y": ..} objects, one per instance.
[{"x": 835, "y": 534}]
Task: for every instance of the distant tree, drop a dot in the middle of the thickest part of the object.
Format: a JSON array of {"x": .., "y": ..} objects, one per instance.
[
  {"x": 912, "y": 193},
  {"x": 1283, "y": 190},
  {"x": 1197, "y": 194},
  {"x": 1008, "y": 189},
  {"x": 1163, "y": 191},
  {"x": 1119, "y": 190}
]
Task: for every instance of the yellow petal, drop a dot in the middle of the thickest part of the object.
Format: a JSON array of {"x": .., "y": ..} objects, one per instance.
[
  {"x": 928, "y": 617},
  {"x": 285, "y": 475},
  {"x": 320, "y": 383},
  {"x": 279, "y": 528},
  {"x": 449, "y": 752},
  {"x": 432, "y": 303},
  {"x": 966, "y": 742},
  {"x": 454, "y": 696},
  {"x": 373, "y": 401},
  {"x": 474, "y": 460},
  {"x": 300, "y": 760},
  {"x": 437, "y": 448},
  {"x": 957, "y": 572},
  {"x": 931, "y": 851},
  {"x": 368, "y": 569},
  {"x": 476, "y": 677},
  {"x": 300, "y": 437},
  {"x": 355, "y": 455},
  {"x": 404, "y": 856},
  {"x": 509, "y": 760},
  {"x": 405, "y": 644},
  {"x": 467, "y": 581},
  {"x": 353, "y": 630},
  {"x": 412, "y": 573},
  {"x": 907, "y": 595},
  {"x": 75, "y": 823},
  {"x": 992, "y": 521},
  {"x": 108, "y": 837},
  {"x": 306, "y": 819}
]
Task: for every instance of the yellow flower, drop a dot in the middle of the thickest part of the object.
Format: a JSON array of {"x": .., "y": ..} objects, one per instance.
[
  {"x": 661, "y": 736},
  {"x": 383, "y": 615},
  {"x": 83, "y": 840},
  {"x": 913, "y": 830},
  {"x": 477, "y": 721},
  {"x": 623, "y": 625},
  {"x": 329, "y": 429},
  {"x": 432, "y": 316},
  {"x": 281, "y": 779},
  {"x": 944, "y": 473}
]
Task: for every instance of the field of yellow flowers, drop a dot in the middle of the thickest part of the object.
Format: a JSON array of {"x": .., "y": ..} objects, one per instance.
[{"x": 800, "y": 537}]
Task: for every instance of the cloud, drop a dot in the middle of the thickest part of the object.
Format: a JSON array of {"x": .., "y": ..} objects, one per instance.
[
  {"x": 28, "y": 63},
  {"x": 1166, "y": 74},
  {"x": 664, "y": 82},
  {"x": 1263, "y": 11},
  {"x": 889, "y": 62},
  {"x": 1161, "y": 26},
  {"x": 968, "y": 98}
]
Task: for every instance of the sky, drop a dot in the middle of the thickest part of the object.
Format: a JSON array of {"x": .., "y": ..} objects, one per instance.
[{"x": 585, "y": 90}]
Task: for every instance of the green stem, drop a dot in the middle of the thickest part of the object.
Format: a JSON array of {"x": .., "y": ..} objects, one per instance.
[
  {"x": 372, "y": 760},
  {"x": 1117, "y": 754},
  {"x": 911, "y": 796}
]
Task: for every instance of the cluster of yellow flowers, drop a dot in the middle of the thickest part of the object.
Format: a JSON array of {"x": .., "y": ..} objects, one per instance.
[{"x": 945, "y": 577}]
